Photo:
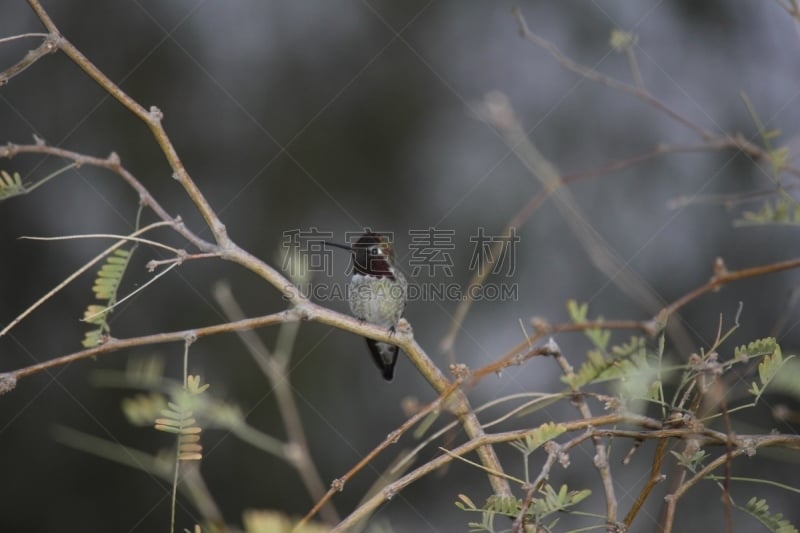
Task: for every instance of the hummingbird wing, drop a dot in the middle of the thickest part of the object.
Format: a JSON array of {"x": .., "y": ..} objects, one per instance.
[{"x": 385, "y": 356}]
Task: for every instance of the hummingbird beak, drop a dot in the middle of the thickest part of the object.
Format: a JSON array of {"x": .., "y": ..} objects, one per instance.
[{"x": 342, "y": 246}]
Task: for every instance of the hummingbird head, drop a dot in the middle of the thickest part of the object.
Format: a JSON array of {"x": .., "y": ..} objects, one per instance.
[{"x": 372, "y": 254}]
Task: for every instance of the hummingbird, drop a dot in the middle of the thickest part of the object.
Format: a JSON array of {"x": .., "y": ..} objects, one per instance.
[{"x": 377, "y": 293}]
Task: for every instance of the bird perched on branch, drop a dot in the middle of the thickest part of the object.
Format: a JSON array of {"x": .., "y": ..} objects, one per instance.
[{"x": 377, "y": 293}]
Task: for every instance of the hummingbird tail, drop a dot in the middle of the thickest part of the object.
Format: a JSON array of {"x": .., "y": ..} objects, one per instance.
[{"x": 385, "y": 356}]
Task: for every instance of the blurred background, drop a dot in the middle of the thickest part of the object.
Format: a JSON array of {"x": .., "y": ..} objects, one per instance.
[{"x": 353, "y": 114}]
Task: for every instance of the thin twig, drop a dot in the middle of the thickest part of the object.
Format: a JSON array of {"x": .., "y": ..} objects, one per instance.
[
  {"x": 448, "y": 427},
  {"x": 48, "y": 46},
  {"x": 554, "y": 452},
  {"x": 114, "y": 345},
  {"x": 369, "y": 506},
  {"x": 601, "y": 455},
  {"x": 152, "y": 118},
  {"x": 481, "y": 467},
  {"x": 723, "y": 277},
  {"x": 603, "y": 79},
  {"x": 650, "y": 327},
  {"x": 277, "y": 374},
  {"x": 747, "y": 443},
  {"x": 673, "y": 498},
  {"x": 522, "y": 216},
  {"x": 655, "y": 478},
  {"x": 69, "y": 279},
  {"x": 746, "y": 146},
  {"x": 89, "y": 318},
  {"x": 24, "y": 36},
  {"x": 339, "y": 483},
  {"x": 113, "y": 164},
  {"x": 127, "y": 238},
  {"x": 726, "y": 494},
  {"x": 522, "y": 352},
  {"x": 499, "y": 112},
  {"x": 179, "y": 259},
  {"x": 459, "y": 404}
]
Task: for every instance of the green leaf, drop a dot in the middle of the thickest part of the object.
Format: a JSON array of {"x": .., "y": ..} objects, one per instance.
[
  {"x": 178, "y": 418},
  {"x": 92, "y": 338},
  {"x": 756, "y": 348},
  {"x": 577, "y": 312},
  {"x": 690, "y": 462},
  {"x": 627, "y": 359},
  {"x": 10, "y": 185},
  {"x": 561, "y": 500},
  {"x": 505, "y": 505},
  {"x": 599, "y": 337},
  {"x": 106, "y": 285},
  {"x": 538, "y": 436},
  {"x": 770, "y": 366},
  {"x": 778, "y": 211},
  {"x": 193, "y": 385},
  {"x": 466, "y": 503},
  {"x": 759, "y": 509}
]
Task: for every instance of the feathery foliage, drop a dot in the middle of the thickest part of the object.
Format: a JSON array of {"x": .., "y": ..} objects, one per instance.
[{"x": 105, "y": 289}]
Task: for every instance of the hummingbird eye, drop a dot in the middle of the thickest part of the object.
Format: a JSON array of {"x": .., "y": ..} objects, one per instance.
[{"x": 374, "y": 250}]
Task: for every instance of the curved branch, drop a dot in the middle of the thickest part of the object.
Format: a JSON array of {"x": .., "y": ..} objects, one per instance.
[
  {"x": 746, "y": 444},
  {"x": 722, "y": 277},
  {"x": 48, "y": 46},
  {"x": 114, "y": 345},
  {"x": 458, "y": 404},
  {"x": 152, "y": 118},
  {"x": 69, "y": 279},
  {"x": 339, "y": 483},
  {"x": 650, "y": 327},
  {"x": 112, "y": 163}
]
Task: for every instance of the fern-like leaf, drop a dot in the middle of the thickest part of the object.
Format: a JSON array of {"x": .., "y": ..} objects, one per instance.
[
  {"x": 180, "y": 422},
  {"x": 771, "y": 364},
  {"x": 778, "y": 211},
  {"x": 564, "y": 498},
  {"x": 106, "y": 285},
  {"x": 504, "y": 505},
  {"x": 594, "y": 365},
  {"x": 551, "y": 501},
  {"x": 110, "y": 275},
  {"x": 10, "y": 185},
  {"x": 690, "y": 462},
  {"x": 178, "y": 419},
  {"x": 538, "y": 436},
  {"x": 93, "y": 338},
  {"x": 759, "y": 509},
  {"x": 578, "y": 314},
  {"x": 756, "y": 348}
]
